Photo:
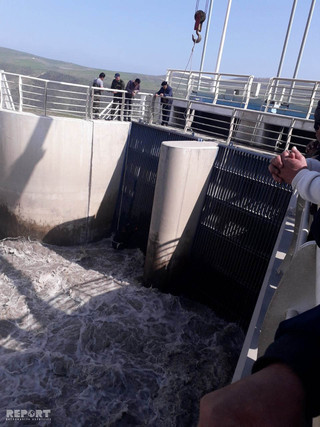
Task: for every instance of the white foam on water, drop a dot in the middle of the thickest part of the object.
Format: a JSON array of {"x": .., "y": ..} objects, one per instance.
[{"x": 80, "y": 335}]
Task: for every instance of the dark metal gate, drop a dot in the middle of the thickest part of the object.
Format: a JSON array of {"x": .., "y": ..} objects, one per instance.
[
  {"x": 240, "y": 221},
  {"x": 134, "y": 207}
]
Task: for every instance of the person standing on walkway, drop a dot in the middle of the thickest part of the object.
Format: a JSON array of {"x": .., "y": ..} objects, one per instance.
[
  {"x": 132, "y": 89},
  {"x": 165, "y": 93},
  {"x": 98, "y": 82},
  {"x": 118, "y": 84}
]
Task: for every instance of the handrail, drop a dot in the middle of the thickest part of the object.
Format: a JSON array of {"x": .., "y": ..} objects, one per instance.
[{"x": 223, "y": 111}]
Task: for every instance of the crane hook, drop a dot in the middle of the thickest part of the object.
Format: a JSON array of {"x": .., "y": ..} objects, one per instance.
[
  {"x": 200, "y": 17},
  {"x": 198, "y": 39}
]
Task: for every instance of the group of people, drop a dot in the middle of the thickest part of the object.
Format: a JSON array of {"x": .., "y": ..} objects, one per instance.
[
  {"x": 132, "y": 88},
  {"x": 283, "y": 387}
]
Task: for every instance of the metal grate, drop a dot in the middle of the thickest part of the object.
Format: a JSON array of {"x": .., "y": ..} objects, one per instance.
[
  {"x": 240, "y": 221},
  {"x": 134, "y": 207}
]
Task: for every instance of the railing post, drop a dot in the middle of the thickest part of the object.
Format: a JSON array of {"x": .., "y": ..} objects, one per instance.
[
  {"x": 269, "y": 94},
  {"x": 216, "y": 88},
  {"x": 290, "y": 134},
  {"x": 168, "y": 77},
  {"x": 91, "y": 102},
  {"x": 20, "y": 94},
  {"x": 45, "y": 97},
  {"x": 231, "y": 129},
  {"x": 312, "y": 98},
  {"x": 248, "y": 90},
  {"x": 123, "y": 102},
  {"x": 189, "y": 86},
  {"x": 88, "y": 103},
  {"x": 189, "y": 120},
  {"x": 1, "y": 90},
  {"x": 151, "y": 109}
]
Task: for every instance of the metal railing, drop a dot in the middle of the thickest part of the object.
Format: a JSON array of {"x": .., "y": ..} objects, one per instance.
[
  {"x": 291, "y": 97},
  {"x": 214, "y": 88},
  {"x": 232, "y": 122},
  {"x": 46, "y": 97}
]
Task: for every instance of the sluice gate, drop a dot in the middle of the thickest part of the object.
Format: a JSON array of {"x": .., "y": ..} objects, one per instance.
[
  {"x": 135, "y": 200},
  {"x": 239, "y": 223}
]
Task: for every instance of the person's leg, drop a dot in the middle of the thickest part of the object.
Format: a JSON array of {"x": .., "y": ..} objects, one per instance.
[
  {"x": 127, "y": 106},
  {"x": 165, "y": 113},
  {"x": 118, "y": 107}
]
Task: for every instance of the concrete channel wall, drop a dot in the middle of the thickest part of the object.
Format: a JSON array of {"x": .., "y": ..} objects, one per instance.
[{"x": 59, "y": 177}]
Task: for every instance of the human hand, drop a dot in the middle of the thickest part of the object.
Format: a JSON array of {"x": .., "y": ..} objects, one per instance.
[
  {"x": 293, "y": 162},
  {"x": 275, "y": 167}
]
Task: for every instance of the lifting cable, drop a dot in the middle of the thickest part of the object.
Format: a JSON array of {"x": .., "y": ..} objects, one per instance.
[{"x": 199, "y": 17}]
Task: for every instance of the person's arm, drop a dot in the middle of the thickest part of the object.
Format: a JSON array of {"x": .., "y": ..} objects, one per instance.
[
  {"x": 307, "y": 183},
  {"x": 273, "y": 397},
  {"x": 313, "y": 164}
]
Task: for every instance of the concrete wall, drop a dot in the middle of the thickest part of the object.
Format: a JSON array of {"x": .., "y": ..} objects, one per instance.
[
  {"x": 183, "y": 174},
  {"x": 59, "y": 177}
]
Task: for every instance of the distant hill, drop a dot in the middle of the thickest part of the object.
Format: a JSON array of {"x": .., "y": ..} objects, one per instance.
[{"x": 27, "y": 64}]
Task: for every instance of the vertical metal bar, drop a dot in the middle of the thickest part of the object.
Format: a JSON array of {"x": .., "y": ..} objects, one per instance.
[
  {"x": 287, "y": 37},
  {"x": 1, "y": 90},
  {"x": 290, "y": 134},
  {"x": 20, "y": 94},
  {"x": 216, "y": 89},
  {"x": 304, "y": 38},
  {"x": 223, "y": 36},
  {"x": 269, "y": 94},
  {"x": 186, "y": 126},
  {"x": 87, "y": 103},
  {"x": 231, "y": 129},
  {"x": 151, "y": 102},
  {"x": 168, "y": 77},
  {"x": 206, "y": 36},
  {"x": 312, "y": 98},
  {"x": 45, "y": 97},
  {"x": 248, "y": 90},
  {"x": 189, "y": 87}
]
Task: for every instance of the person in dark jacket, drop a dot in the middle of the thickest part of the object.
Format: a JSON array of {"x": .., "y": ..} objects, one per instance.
[
  {"x": 165, "y": 93},
  {"x": 118, "y": 84},
  {"x": 132, "y": 89}
]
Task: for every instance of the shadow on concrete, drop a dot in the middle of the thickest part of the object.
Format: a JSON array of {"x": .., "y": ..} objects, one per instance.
[
  {"x": 16, "y": 180},
  {"x": 95, "y": 227}
]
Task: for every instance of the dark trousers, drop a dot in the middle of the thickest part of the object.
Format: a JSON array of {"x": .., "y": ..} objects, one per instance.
[
  {"x": 116, "y": 105},
  {"x": 166, "y": 107},
  {"x": 96, "y": 104},
  {"x": 128, "y": 106}
]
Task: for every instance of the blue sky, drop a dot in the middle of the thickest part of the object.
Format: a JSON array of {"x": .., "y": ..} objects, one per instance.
[{"x": 151, "y": 36}]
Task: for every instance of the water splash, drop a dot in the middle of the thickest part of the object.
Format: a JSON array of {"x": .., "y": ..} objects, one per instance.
[{"x": 80, "y": 336}]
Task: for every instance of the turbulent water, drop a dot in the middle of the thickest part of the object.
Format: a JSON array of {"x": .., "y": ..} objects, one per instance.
[{"x": 82, "y": 339}]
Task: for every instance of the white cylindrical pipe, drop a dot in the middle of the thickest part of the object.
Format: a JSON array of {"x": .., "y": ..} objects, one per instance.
[
  {"x": 183, "y": 173},
  {"x": 223, "y": 36}
]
